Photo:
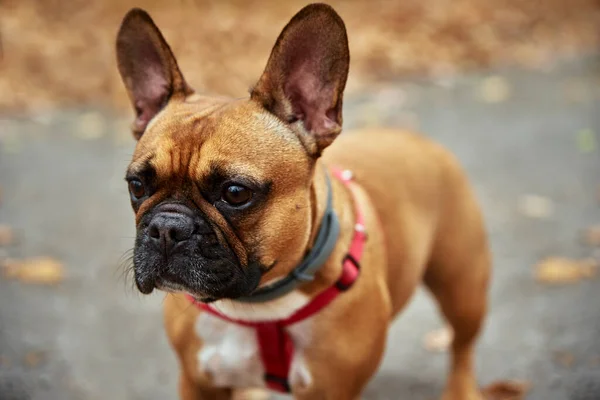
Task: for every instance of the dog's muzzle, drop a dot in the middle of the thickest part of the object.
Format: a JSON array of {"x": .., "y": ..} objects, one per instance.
[{"x": 178, "y": 250}]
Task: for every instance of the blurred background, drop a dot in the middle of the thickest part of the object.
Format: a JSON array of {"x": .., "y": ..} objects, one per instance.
[{"x": 511, "y": 86}]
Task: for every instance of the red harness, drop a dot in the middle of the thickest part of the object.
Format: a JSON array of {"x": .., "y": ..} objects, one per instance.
[{"x": 276, "y": 347}]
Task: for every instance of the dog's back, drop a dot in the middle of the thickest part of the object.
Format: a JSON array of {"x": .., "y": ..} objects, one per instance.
[{"x": 425, "y": 205}]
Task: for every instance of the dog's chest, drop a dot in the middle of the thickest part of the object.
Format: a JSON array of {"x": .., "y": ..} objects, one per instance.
[{"x": 230, "y": 354}]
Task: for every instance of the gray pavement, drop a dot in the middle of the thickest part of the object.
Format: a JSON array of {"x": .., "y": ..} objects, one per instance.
[{"x": 63, "y": 193}]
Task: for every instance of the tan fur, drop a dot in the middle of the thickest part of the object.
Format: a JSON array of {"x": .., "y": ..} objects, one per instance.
[
  {"x": 430, "y": 229},
  {"x": 422, "y": 221}
]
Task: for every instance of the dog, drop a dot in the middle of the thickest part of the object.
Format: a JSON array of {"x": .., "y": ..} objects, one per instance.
[{"x": 286, "y": 256}]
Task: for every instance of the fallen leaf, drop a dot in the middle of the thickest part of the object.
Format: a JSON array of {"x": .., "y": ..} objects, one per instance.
[
  {"x": 535, "y": 206},
  {"x": 586, "y": 141},
  {"x": 40, "y": 270},
  {"x": 33, "y": 358},
  {"x": 506, "y": 390},
  {"x": 494, "y": 89},
  {"x": 438, "y": 340},
  {"x": 557, "y": 270},
  {"x": 6, "y": 235},
  {"x": 564, "y": 358},
  {"x": 591, "y": 236}
]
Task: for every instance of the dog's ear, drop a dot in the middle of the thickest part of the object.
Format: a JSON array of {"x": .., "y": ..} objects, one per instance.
[
  {"x": 148, "y": 68},
  {"x": 306, "y": 74}
]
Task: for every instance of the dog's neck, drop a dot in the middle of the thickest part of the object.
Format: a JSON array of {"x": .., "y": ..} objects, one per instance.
[
  {"x": 318, "y": 200},
  {"x": 328, "y": 272}
]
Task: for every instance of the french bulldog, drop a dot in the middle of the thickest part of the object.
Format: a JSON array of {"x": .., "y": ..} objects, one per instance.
[{"x": 285, "y": 248}]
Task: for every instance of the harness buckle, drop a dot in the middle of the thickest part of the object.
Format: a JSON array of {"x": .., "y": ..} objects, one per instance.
[
  {"x": 343, "y": 284},
  {"x": 350, "y": 257}
]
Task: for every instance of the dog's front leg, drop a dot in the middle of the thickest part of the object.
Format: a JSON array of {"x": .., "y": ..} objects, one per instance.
[{"x": 340, "y": 362}]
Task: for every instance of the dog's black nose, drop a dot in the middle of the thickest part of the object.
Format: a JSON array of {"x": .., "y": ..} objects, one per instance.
[{"x": 167, "y": 229}]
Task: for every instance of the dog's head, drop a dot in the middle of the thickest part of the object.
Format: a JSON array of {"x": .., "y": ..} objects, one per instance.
[{"x": 221, "y": 188}]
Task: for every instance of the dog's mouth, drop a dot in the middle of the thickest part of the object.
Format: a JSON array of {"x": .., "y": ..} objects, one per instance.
[
  {"x": 178, "y": 250},
  {"x": 205, "y": 280},
  {"x": 189, "y": 270},
  {"x": 200, "y": 283}
]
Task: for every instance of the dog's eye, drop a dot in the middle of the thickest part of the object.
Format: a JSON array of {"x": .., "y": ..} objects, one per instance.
[
  {"x": 137, "y": 189},
  {"x": 236, "y": 195}
]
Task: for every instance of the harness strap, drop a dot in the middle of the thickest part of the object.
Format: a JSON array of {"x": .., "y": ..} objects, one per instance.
[
  {"x": 276, "y": 351},
  {"x": 276, "y": 346}
]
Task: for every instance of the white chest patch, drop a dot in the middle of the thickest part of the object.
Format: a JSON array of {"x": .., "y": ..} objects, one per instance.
[
  {"x": 299, "y": 373},
  {"x": 231, "y": 356},
  {"x": 230, "y": 353}
]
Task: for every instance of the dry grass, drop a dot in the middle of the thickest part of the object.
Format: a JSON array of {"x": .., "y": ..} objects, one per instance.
[{"x": 61, "y": 52}]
